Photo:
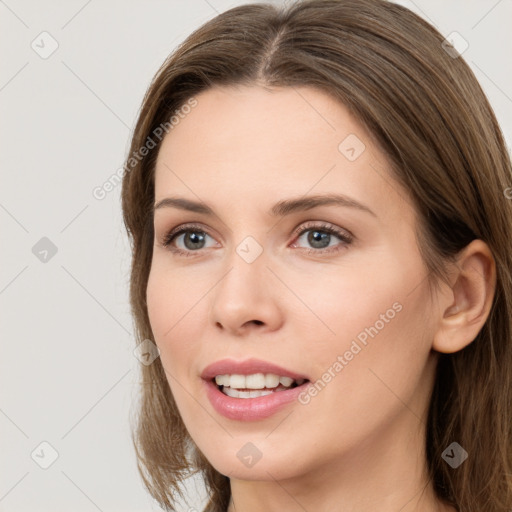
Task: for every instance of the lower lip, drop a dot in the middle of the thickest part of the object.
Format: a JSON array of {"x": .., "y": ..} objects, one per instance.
[{"x": 250, "y": 409}]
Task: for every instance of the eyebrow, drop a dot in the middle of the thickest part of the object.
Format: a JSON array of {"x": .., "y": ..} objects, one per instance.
[{"x": 280, "y": 209}]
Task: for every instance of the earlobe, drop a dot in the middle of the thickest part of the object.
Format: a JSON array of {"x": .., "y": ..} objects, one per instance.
[{"x": 465, "y": 307}]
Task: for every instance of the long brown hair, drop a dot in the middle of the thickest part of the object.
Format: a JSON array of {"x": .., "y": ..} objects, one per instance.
[{"x": 428, "y": 114}]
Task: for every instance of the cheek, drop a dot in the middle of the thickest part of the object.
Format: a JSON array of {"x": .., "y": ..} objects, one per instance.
[
  {"x": 176, "y": 320},
  {"x": 175, "y": 325},
  {"x": 161, "y": 306},
  {"x": 375, "y": 314},
  {"x": 372, "y": 367},
  {"x": 171, "y": 296},
  {"x": 381, "y": 342}
]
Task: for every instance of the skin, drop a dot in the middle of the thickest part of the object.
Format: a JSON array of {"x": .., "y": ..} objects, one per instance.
[{"x": 358, "y": 444}]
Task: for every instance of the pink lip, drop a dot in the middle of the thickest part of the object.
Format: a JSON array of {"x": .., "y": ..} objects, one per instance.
[
  {"x": 247, "y": 367},
  {"x": 249, "y": 409}
]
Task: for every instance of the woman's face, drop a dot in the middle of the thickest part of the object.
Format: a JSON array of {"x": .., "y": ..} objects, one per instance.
[{"x": 348, "y": 310}]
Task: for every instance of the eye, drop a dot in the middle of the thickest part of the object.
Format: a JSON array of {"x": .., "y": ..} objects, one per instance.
[
  {"x": 320, "y": 237},
  {"x": 193, "y": 239}
]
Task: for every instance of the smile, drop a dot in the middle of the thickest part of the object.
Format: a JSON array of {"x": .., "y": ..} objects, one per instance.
[{"x": 245, "y": 404}]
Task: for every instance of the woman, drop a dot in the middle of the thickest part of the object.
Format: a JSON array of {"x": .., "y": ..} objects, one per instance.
[{"x": 316, "y": 199}]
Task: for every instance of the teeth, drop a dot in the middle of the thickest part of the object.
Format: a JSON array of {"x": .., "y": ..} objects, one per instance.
[
  {"x": 286, "y": 381},
  {"x": 246, "y": 394},
  {"x": 255, "y": 381},
  {"x": 271, "y": 380},
  {"x": 236, "y": 381}
]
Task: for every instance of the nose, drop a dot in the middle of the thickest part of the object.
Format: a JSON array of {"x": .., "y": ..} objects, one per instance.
[{"x": 245, "y": 299}]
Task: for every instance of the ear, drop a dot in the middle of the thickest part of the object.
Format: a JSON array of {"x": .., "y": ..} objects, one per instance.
[{"x": 467, "y": 302}]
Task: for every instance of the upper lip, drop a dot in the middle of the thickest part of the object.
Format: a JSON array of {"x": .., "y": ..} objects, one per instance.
[{"x": 247, "y": 367}]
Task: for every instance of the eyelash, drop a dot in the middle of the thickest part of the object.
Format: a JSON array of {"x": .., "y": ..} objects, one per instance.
[{"x": 345, "y": 237}]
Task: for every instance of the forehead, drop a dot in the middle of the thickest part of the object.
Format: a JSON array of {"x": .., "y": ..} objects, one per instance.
[
  {"x": 258, "y": 145},
  {"x": 270, "y": 125}
]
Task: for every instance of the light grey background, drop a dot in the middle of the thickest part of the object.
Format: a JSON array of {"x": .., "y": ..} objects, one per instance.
[{"x": 68, "y": 375}]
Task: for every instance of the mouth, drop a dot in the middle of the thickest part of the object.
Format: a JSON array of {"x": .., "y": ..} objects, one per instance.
[
  {"x": 239, "y": 402},
  {"x": 251, "y": 389}
]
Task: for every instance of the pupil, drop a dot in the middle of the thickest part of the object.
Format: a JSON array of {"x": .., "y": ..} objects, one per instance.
[
  {"x": 194, "y": 238},
  {"x": 317, "y": 237}
]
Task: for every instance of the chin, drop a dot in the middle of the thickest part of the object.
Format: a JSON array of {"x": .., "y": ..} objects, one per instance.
[{"x": 266, "y": 468}]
